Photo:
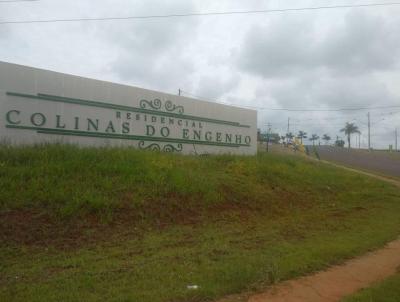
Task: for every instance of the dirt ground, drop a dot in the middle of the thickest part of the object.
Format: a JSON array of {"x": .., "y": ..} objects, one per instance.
[
  {"x": 339, "y": 281},
  {"x": 381, "y": 162},
  {"x": 335, "y": 283}
]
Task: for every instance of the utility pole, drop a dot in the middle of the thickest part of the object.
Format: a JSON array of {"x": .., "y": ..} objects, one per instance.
[
  {"x": 369, "y": 132},
  {"x": 395, "y": 140},
  {"x": 288, "y": 125},
  {"x": 179, "y": 92},
  {"x": 268, "y": 135},
  {"x": 359, "y": 140}
]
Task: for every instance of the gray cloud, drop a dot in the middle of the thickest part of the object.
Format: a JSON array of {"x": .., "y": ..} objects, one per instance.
[
  {"x": 363, "y": 43},
  {"x": 277, "y": 49},
  {"x": 324, "y": 59},
  {"x": 156, "y": 53},
  {"x": 320, "y": 64},
  {"x": 317, "y": 91},
  {"x": 214, "y": 87}
]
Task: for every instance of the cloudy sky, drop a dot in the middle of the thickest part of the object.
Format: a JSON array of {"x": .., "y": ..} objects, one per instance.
[{"x": 323, "y": 59}]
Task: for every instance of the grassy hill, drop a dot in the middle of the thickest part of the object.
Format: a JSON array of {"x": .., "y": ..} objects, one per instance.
[
  {"x": 127, "y": 225},
  {"x": 385, "y": 291}
]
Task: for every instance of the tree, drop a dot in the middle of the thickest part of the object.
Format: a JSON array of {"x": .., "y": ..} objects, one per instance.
[
  {"x": 339, "y": 143},
  {"x": 289, "y": 137},
  {"x": 274, "y": 138},
  {"x": 269, "y": 137},
  {"x": 326, "y": 138},
  {"x": 283, "y": 139},
  {"x": 350, "y": 129},
  {"x": 313, "y": 138},
  {"x": 301, "y": 135}
]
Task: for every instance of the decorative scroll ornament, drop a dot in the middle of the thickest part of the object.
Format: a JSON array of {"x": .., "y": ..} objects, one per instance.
[
  {"x": 169, "y": 106},
  {"x": 152, "y": 147},
  {"x": 156, "y": 147},
  {"x": 172, "y": 148},
  {"x": 155, "y": 104}
]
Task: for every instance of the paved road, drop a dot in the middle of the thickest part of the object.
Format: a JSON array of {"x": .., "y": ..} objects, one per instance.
[{"x": 376, "y": 161}]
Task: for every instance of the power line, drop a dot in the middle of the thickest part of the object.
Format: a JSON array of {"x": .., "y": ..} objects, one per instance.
[
  {"x": 200, "y": 14},
  {"x": 329, "y": 110},
  {"x": 355, "y": 117},
  {"x": 215, "y": 101},
  {"x": 11, "y": 1},
  {"x": 297, "y": 109}
]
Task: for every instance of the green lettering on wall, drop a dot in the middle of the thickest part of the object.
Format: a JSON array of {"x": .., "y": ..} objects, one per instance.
[
  {"x": 76, "y": 123},
  {"x": 92, "y": 103},
  {"x": 165, "y": 132},
  {"x": 91, "y": 124},
  {"x": 58, "y": 124},
  {"x": 125, "y": 127},
  {"x": 185, "y": 133},
  {"x": 11, "y": 121},
  {"x": 38, "y": 119},
  {"x": 15, "y": 118},
  {"x": 122, "y": 136},
  {"x": 150, "y": 130},
  {"x": 110, "y": 127},
  {"x": 197, "y": 134}
]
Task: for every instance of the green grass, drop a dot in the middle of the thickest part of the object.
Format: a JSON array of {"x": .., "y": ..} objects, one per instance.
[
  {"x": 386, "y": 291},
  {"x": 150, "y": 224}
]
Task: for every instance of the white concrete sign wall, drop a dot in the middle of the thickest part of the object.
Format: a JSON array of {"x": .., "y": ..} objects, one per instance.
[{"x": 39, "y": 106}]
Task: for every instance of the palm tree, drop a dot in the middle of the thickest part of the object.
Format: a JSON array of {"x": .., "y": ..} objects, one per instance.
[
  {"x": 350, "y": 129},
  {"x": 326, "y": 138},
  {"x": 313, "y": 138},
  {"x": 289, "y": 137},
  {"x": 301, "y": 135},
  {"x": 283, "y": 139}
]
